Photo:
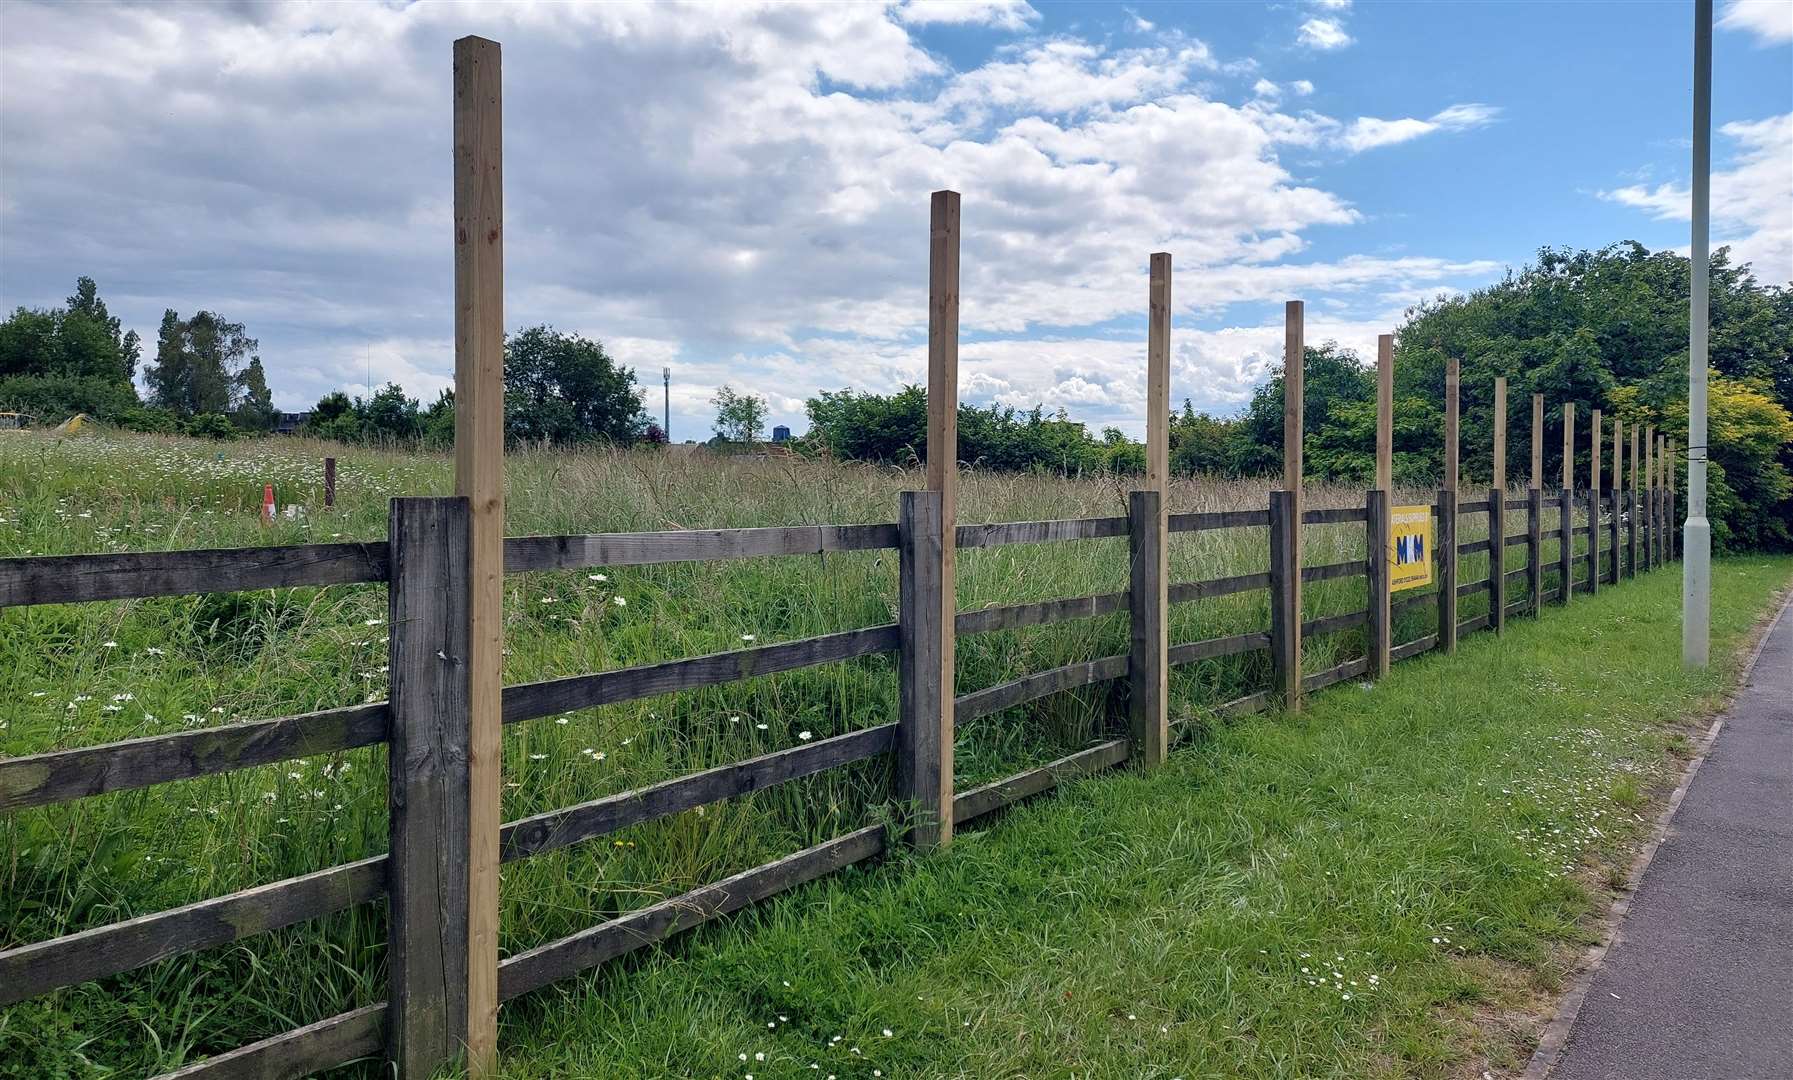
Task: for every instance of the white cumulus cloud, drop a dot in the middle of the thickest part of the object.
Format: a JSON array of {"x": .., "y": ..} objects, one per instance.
[
  {"x": 1323, "y": 34},
  {"x": 1770, "y": 20}
]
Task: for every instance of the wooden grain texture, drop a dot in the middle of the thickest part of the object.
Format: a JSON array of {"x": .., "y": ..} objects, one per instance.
[
  {"x": 1500, "y": 437},
  {"x": 1350, "y": 669},
  {"x": 1565, "y": 548},
  {"x": 1285, "y": 596},
  {"x": 1445, "y": 547},
  {"x": 1534, "y": 548},
  {"x": 29, "y": 970},
  {"x": 1231, "y": 645},
  {"x": 993, "y": 699},
  {"x": 1453, "y": 438},
  {"x": 1039, "y": 532},
  {"x": 1333, "y": 571},
  {"x": 1568, "y": 446},
  {"x": 533, "y": 835},
  {"x": 935, "y": 803},
  {"x": 305, "y": 1051},
  {"x": 69, "y": 579},
  {"x": 1497, "y": 558},
  {"x": 429, "y": 783},
  {"x": 1218, "y": 519},
  {"x": 1039, "y": 613},
  {"x": 527, "y": 701},
  {"x": 1595, "y": 427},
  {"x": 524, "y": 554},
  {"x": 479, "y": 477},
  {"x": 1385, "y": 411},
  {"x": 926, "y": 716},
  {"x": 1376, "y": 542},
  {"x": 986, "y": 799},
  {"x": 1537, "y": 477},
  {"x": 544, "y": 964},
  {"x": 1203, "y": 590},
  {"x": 1416, "y": 646},
  {"x": 1148, "y": 668},
  {"x": 1332, "y": 624},
  {"x": 61, "y": 775},
  {"x": 1294, "y": 419},
  {"x": 1158, "y": 309}
]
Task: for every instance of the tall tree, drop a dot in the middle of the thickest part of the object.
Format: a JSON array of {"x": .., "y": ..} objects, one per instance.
[
  {"x": 564, "y": 388},
  {"x": 740, "y": 418},
  {"x": 198, "y": 363},
  {"x": 256, "y": 410}
]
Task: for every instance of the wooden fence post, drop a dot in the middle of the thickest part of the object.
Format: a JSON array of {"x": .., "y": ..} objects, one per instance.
[
  {"x": 1594, "y": 504},
  {"x": 1285, "y": 601},
  {"x": 1534, "y": 547},
  {"x": 1446, "y": 553},
  {"x": 1500, "y": 435},
  {"x": 1537, "y": 478},
  {"x": 1385, "y": 411},
  {"x": 1375, "y": 546},
  {"x": 1661, "y": 516},
  {"x": 1633, "y": 506},
  {"x": 329, "y": 482},
  {"x": 1673, "y": 531},
  {"x": 1148, "y": 660},
  {"x": 479, "y": 476},
  {"x": 1497, "y": 559},
  {"x": 1565, "y": 552},
  {"x": 924, "y": 690},
  {"x": 428, "y": 781},
  {"x": 1294, "y": 419},
  {"x": 1452, "y": 424},
  {"x": 1618, "y": 509},
  {"x": 1150, "y": 541}
]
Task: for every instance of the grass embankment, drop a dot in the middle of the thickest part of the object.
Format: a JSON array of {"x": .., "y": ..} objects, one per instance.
[
  {"x": 1380, "y": 886},
  {"x": 80, "y": 675}
]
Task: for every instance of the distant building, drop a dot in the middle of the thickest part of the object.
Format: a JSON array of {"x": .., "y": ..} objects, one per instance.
[
  {"x": 290, "y": 422},
  {"x": 781, "y": 434}
]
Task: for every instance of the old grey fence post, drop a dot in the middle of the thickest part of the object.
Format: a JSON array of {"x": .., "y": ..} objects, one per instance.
[
  {"x": 925, "y": 614},
  {"x": 1147, "y": 665},
  {"x": 1375, "y": 549},
  {"x": 1612, "y": 536},
  {"x": 1534, "y": 547},
  {"x": 1446, "y": 554},
  {"x": 1497, "y": 559},
  {"x": 1593, "y": 540},
  {"x": 429, "y": 789},
  {"x": 1631, "y": 509},
  {"x": 1565, "y": 552},
  {"x": 1285, "y": 609}
]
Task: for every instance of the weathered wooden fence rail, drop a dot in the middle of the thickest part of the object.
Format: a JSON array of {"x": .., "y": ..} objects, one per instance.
[{"x": 420, "y": 722}]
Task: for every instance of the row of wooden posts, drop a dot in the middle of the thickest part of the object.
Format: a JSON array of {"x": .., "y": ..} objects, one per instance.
[{"x": 925, "y": 742}]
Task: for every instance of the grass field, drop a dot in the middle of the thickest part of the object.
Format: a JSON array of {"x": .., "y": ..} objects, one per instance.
[{"x": 85, "y": 674}]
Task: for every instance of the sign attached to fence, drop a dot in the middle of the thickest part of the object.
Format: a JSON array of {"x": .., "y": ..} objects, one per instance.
[{"x": 1409, "y": 547}]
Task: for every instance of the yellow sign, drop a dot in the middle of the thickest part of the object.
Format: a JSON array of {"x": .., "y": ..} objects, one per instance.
[{"x": 1409, "y": 547}]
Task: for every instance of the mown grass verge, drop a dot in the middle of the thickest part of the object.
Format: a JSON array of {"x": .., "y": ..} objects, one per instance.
[{"x": 1375, "y": 887}]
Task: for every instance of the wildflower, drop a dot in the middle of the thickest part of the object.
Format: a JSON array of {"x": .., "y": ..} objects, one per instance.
[
  {"x": 155, "y": 651},
  {"x": 561, "y": 720},
  {"x": 805, "y": 735},
  {"x": 108, "y": 644},
  {"x": 762, "y": 727},
  {"x": 619, "y": 602},
  {"x": 124, "y": 697},
  {"x": 538, "y": 757},
  {"x": 746, "y": 637},
  {"x": 596, "y": 577}
]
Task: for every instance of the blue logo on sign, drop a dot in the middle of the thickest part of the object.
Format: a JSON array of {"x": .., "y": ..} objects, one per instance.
[{"x": 1410, "y": 549}]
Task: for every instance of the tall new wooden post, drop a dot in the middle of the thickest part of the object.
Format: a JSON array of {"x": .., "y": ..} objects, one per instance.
[
  {"x": 925, "y": 724},
  {"x": 1149, "y": 580},
  {"x": 1667, "y": 471},
  {"x": 1566, "y": 551},
  {"x": 1649, "y": 496},
  {"x": 1376, "y": 535},
  {"x": 1497, "y": 515},
  {"x": 1447, "y": 513},
  {"x": 1537, "y": 476},
  {"x": 1660, "y": 517},
  {"x": 1633, "y": 505},
  {"x": 1594, "y": 503},
  {"x": 1617, "y": 569},
  {"x": 1294, "y": 370},
  {"x": 479, "y": 478}
]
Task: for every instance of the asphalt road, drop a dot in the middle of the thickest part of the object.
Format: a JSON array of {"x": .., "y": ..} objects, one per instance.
[{"x": 1700, "y": 984}]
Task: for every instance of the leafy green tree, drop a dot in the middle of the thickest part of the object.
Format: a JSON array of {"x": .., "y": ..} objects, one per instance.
[
  {"x": 198, "y": 363},
  {"x": 256, "y": 411},
  {"x": 564, "y": 388},
  {"x": 59, "y": 361},
  {"x": 740, "y": 418}
]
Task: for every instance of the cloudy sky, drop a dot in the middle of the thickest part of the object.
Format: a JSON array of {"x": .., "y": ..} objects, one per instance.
[{"x": 741, "y": 192}]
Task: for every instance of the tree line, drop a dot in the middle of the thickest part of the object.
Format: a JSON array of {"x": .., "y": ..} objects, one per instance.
[{"x": 1602, "y": 329}]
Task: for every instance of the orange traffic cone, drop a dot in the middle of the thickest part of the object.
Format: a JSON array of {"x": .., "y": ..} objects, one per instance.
[{"x": 267, "y": 503}]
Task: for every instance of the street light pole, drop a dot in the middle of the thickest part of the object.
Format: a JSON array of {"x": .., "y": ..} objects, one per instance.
[
  {"x": 666, "y": 404},
  {"x": 1696, "y": 567}
]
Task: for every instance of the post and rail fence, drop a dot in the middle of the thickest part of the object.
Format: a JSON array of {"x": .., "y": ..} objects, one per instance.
[{"x": 426, "y": 565}]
